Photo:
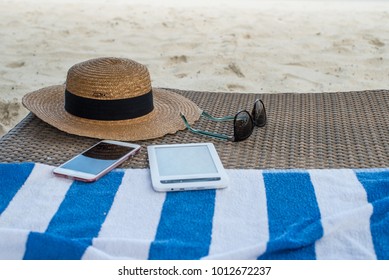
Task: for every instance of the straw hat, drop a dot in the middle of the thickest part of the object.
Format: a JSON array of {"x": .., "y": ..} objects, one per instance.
[{"x": 111, "y": 98}]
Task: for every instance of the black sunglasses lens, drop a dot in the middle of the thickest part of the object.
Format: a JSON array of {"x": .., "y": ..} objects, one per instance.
[
  {"x": 259, "y": 113},
  {"x": 243, "y": 126}
]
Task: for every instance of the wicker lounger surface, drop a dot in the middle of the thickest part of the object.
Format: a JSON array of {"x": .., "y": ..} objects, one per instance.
[{"x": 309, "y": 130}]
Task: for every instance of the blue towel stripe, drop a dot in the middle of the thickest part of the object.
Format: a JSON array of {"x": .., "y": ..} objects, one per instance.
[
  {"x": 78, "y": 219},
  {"x": 12, "y": 178},
  {"x": 294, "y": 216},
  {"x": 185, "y": 227},
  {"x": 376, "y": 185}
]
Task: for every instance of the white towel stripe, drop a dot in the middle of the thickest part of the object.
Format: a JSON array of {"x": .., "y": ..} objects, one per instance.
[
  {"x": 134, "y": 203},
  {"x": 345, "y": 214},
  {"x": 47, "y": 191},
  {"x": 240, "y": 218},
  {"x": 12, "y": 243}
]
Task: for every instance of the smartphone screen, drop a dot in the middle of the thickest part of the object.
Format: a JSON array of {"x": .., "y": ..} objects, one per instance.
[{"x": 97, "y": 160}]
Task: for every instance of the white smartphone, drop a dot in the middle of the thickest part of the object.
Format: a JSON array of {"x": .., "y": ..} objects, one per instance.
[{"x": 97, "y": 161}]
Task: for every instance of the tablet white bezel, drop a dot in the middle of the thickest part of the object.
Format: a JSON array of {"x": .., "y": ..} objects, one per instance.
[{"x": 202, "y": 181}]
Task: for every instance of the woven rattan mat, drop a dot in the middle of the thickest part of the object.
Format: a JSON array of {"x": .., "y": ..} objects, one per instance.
[{"x": 310, "y": 130}]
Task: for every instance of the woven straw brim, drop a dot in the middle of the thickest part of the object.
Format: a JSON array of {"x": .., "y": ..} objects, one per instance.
[{"x": 48, "y": 105}]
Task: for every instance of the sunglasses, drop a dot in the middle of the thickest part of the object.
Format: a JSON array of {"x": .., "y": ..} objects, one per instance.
[{"x": 244, "y": 123}]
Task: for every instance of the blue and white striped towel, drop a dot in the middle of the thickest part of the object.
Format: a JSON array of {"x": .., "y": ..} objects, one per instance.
[{"x": 293, "y": 214}]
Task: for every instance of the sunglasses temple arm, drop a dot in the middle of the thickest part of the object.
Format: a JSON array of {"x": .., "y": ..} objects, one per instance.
[
  {"x": 206, "y": 133},
  {"x": 222, "y": 119}
]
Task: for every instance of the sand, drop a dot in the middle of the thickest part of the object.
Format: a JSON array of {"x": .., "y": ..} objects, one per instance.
[{"x": 220, "y": 45}]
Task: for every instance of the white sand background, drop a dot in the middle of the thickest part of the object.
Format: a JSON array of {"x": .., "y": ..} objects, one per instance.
[{"x": 215, "y": 45}]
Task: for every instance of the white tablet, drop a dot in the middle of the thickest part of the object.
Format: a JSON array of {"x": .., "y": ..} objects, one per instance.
[{"x": 180, "y": 167}]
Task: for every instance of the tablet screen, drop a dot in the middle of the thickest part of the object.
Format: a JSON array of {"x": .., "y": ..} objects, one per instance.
[{"x": 186, "y": 160}]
